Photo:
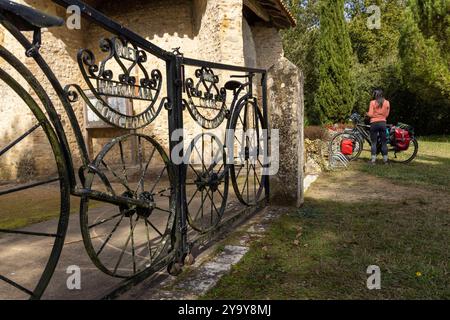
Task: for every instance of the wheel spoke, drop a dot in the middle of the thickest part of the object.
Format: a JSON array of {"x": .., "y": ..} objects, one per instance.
[
  {"x": 16, "y": 285},
  {"x": 121, "y": 180},
  {"x": 124, "y": 168},
  {"x": 195, "y": 171},
  {"x": 125, "y": 246},
  {"x": 239, "y": 172},
  {"x": 149, "y": 247},
  {"x": 23, "y": 136},
  {"x": 110, "y": 235},
  {"x": 141, "y": 179},
  {"x": 213, "y": 204},
  {"x": 28, "y": 186},
  {"x": 153, "y": 226},
  {"x": 104, "y": 221},
  {"x": 132, "y": 244},
  {"x": 192, "y": 198},
  {"x": 158, "y": 179},
  {"x": 203, "y": 163},
  {"x": 201, "y": 207},
  {"x": 30, "y": 233}
]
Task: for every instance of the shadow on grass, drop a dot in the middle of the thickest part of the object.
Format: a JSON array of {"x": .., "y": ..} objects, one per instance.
[{"x": 323, "y": 251}]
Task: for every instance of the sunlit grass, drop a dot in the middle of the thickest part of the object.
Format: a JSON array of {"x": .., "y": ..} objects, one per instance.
[
  {"x": 431, "y": 168},
  {"x": 323, "y": 250}
]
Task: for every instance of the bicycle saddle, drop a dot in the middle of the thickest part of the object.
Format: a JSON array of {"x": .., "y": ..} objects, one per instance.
[
  {"x": 232, "y": 85},
  {"x": 26, "y": 18}
]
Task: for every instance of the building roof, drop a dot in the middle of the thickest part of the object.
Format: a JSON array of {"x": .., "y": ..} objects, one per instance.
[{"x": 279, "y": 12}]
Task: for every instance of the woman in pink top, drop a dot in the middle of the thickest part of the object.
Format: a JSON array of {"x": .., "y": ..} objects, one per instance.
[{"x": 378, "y": 112}]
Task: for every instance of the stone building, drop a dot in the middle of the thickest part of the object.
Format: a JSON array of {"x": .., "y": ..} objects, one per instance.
[{"x": 238, "y": 32}]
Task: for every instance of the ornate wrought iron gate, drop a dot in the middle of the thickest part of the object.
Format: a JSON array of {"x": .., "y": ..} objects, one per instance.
[{"x": 148, "y": 196}]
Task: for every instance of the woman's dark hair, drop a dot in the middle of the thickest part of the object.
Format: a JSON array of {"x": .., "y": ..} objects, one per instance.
[{"x": 378, "y": 95}]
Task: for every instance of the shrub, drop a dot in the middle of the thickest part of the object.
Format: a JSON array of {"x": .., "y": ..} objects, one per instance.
[{"x": 315, "y": 132}]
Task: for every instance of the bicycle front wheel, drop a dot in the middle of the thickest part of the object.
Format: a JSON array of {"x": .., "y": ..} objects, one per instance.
[{"x": 34, "y": 191}]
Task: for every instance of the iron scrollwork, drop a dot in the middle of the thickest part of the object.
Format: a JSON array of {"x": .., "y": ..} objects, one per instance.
[
  {"x": 103, "y": 84},
  {"x": 206, "y": 95}
]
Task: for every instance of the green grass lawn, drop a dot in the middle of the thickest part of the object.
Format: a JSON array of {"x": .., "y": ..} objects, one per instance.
[
  {"x": 431, "y": 168},
  {"x": 396, "y": 217}
]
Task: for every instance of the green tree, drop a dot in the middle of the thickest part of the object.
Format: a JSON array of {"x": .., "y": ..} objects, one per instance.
[
  {"x": 425, "y": 48},
  {"x": 335, "y": 95},
  {"x": 300, "y": 46},
  {"x": 377, "y": 63}
]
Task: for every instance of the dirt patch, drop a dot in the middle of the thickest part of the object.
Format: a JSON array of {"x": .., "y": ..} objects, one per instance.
[{"x": 353, "y": 186}]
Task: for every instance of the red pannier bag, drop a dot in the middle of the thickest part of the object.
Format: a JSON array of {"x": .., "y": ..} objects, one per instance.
[
  {"x": 402, "y": 139},
  {"x": 347, "y": 147}
]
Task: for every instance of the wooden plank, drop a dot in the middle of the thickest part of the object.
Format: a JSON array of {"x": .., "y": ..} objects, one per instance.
[{"x": 257, "y": 9}]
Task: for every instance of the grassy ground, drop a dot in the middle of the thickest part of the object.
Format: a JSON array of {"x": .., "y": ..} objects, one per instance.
[
  {"x": 34, "y": 205},
  {"x": 396, "y": 217}
]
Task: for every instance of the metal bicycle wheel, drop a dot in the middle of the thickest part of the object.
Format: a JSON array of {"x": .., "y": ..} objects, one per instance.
[
  {"x": 247, "y": 169},
  {"x": 125, "y": 239},
  {"x": 336, "y": 140},
  {"x": 30, "y": 251},
  {"x": 206, "y": 182}
]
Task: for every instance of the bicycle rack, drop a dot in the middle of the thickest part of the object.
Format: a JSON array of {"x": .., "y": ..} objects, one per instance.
[{"x": 338, "y": 160}]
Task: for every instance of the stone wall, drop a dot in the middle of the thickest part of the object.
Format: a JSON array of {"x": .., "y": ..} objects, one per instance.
[
  {"x": 59, "y": 46},
  {"x": 268, "y": 45}
]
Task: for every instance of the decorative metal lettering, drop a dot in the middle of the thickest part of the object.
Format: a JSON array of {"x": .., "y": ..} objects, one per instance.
[
  {"x": 101, "y": 81},
  {"x": 205, "y": 95}
]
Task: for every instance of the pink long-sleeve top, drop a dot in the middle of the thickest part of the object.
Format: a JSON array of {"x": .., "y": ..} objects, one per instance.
[{"x": 378, "y": 114}]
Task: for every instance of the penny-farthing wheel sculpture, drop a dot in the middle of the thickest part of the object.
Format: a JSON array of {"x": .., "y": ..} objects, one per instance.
[
  {"x": 206, "y": 182},
  {"x": 130, "y": 230},
  {"x": 19, "y": 246},
  {"x": 127, "y": 238},
  {"x": 248, "y": 154},
  {"x": 207, "y": 173}
]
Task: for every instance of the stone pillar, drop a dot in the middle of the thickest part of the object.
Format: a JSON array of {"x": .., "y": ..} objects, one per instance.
[{"x": 286, "y": 108}]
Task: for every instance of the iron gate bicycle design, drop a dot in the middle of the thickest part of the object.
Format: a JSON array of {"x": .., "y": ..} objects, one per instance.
[{"x": 140, "y": 210}]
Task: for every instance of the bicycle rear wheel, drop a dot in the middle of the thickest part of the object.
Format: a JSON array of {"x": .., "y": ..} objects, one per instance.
[
  {"x": 31, "y": 191},
  {"x": 406, "y": 156}
]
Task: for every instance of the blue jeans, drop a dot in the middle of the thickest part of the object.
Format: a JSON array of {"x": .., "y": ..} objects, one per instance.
[{"x": 378, "y": 129}]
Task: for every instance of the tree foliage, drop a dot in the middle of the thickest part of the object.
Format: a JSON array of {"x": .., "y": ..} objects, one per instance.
[
  {"x": 335, "y": 95},
  {"x": 408, "y": 57},
  {"x": 425, "y": 48},
  {"x": 300, "y": 45}
]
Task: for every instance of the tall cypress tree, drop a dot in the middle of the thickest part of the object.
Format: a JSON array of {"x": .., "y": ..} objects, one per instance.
[{"x": 335, "y": 96}]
